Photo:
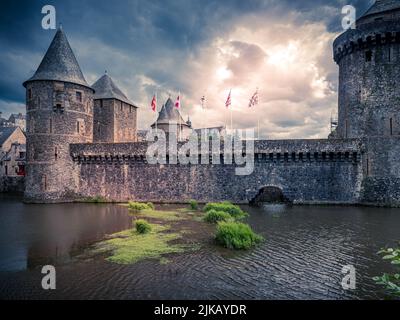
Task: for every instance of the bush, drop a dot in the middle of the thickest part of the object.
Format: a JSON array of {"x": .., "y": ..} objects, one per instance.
[
  {"x": 151, "y": 205},
  {"x": 236, "y": 235},
  {"x": 193, "y": 205},
  {"x": 228, "y": 207},
  {"x": 138, "y": 206},
  {"x": 214, "y": 216},
  {"x": 142, "y": 226}
]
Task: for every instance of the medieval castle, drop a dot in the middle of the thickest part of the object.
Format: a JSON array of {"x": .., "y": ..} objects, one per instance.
[{"x": 82, "y": 140}]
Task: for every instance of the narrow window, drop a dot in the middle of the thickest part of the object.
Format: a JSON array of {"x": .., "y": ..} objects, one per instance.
[
  {"x": 29, "y": 94},
  {"x": 367, "y": 166},
  {"x": 130, "y": 109},
  {"x": 390, "y": 54},
  {"x": 122, "y": 108},
  {"x": 391, "y": 126},
  {"x": 346, "y": 128},
  {"x": 368, "y": 56},
  {"x": 6, "y": 170},
  {"x": 55, "y": 153},
  {"x": 78, "y": 96},
  {"x": 101, "y": 103},
  {"x": 38, "y": 102},
  {"x": 77, "y": 126},
  {"x": 51, "y": 125}
]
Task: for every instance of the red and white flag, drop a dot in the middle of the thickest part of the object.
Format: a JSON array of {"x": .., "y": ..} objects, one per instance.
[
  {"x": 228, "y": 102},
  {"x": 154, "y": 104},
  {"x": 178, "y": 102},
  {"x": 254, "y": 99}
]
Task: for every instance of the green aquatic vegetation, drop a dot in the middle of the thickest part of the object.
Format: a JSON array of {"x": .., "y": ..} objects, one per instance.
[
  {"x": 193, "y": 205},
  {"x": 142, "y": 226},
  {"x": 128, "y": 247},
  {"x": 161, "y": 215},
  {"x": 227, "y": 207},
  {"x": 214, "y": 216},
  {"x": 139, "y": 206},
  {"x": 236, "y": 235},
  {"x": 391, "y": 282}
]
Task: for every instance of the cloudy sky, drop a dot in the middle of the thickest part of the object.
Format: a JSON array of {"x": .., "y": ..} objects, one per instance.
[{"x": 196, "y": 47}]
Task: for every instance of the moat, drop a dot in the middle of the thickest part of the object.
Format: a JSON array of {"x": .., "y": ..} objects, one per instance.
[{"x": 302, "y": 256}]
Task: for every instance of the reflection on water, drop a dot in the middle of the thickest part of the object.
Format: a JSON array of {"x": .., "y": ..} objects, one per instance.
[
  {"x": 34, "y": 235},
  {"x": 302, "y": 257}
]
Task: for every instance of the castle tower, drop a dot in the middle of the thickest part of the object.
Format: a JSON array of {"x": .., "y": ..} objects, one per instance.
[
  {"x": 168, "y": 116},
  {"x": 59, "y": 107},
  {"x": 115, "y": 116},
  {"x": 369, "y": 74}
]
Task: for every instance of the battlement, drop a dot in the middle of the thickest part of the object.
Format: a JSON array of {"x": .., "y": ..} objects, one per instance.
[
  {"x": 274, "y": 151},
  {"x": 366, "y": 36}
]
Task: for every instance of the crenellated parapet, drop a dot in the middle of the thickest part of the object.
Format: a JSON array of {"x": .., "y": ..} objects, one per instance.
[
  {"x": 366, "y": 36},
  {"x": 265, "y": 151}
]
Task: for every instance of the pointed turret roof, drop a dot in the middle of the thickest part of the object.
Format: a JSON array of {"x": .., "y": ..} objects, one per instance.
[
  {"x": 59, "y": 63},
  {"x": 169, "y": 114},
  {"x": 105, "y": 88},
  {"x": 381, "y": 6}
]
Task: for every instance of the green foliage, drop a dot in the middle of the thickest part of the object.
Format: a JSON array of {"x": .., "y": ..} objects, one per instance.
[
  {"x": 214, "y": 216},
  {"x": 142, "y": 226},
  {"x": 138, "y": 206},
  {"x": 228, "y": 207},
  {"x": 128, "y": 247},
  {"x": 150, "y": 205},
  {"x": 236, "y": 235},
  {"x": 193, "y": 205},
  {"x": 390, "y": 281}
]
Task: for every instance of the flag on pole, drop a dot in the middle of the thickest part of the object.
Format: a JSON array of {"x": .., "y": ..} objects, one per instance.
[
  {"x": 254, "y": 99},
  {"x": 203, "y": 101},
  {"x": 154, "y": 104},
  {"x": 228, "y": 102},
  {"x": 178, "y": 102}
]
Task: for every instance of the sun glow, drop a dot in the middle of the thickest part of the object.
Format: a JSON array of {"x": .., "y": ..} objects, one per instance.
[{"x": 282, "y": 56}]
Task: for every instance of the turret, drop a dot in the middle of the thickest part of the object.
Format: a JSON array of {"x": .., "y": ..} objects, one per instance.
[
  {"x": 369, "y": 74},
  {"x": 59, "y": 107},
  {"x": 115, "y": 116},
  {"x": 169, "y": 118}
]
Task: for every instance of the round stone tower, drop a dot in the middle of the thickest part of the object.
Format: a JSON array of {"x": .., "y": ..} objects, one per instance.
[
  {"x": 369, "y": 74},
  {"x": 59, "y": 107}
]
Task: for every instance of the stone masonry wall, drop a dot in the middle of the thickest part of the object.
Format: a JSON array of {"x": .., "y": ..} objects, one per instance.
[{"x": 307, "y": 171}]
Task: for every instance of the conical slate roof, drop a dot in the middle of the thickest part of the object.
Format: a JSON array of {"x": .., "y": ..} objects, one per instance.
[
  {"x": 381, "y": 6},
  {"x": 105, "y": 88},
  {"x": 59, "y": 63},
  {"x": 169, "y": 114}
]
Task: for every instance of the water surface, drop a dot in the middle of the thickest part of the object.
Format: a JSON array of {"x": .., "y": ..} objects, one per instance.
[{"x": 301, "y": 258}]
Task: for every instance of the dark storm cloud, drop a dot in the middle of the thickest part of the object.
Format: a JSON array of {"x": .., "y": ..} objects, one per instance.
[{"x": 148, "y": 45}]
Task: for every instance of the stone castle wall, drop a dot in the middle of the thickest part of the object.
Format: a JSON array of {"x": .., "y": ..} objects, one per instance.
[{"x": 307, "y": 171}]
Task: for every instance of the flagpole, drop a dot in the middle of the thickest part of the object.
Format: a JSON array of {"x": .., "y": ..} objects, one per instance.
[
  {"x": 156, "y": 113},
  {"x": 179, "y": 112},
  {"x": 232, "y": 119}
]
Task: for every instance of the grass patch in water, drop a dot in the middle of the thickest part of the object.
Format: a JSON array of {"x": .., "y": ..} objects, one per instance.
[
  {"x": 160, "y": 215},
  {"x": 227, "y": 207},
  {"x": 236, "y": 235},
  {"x": 214, "y": 216},
  {"x": 128, "y": 247}
]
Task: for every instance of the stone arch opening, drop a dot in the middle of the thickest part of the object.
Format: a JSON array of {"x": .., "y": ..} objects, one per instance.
[{"x": 269, "y": 194}]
